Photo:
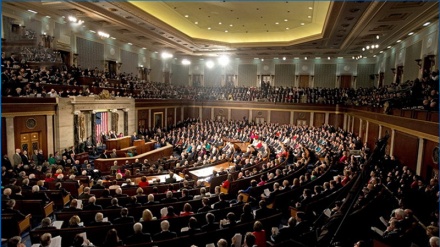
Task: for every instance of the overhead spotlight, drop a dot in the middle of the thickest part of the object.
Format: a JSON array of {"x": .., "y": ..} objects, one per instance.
[
  {"x": 209, "y": 28},
  {"x": 284, "y": 58},
  {"x": 186, "y": 16},
  {"x": 103, "y": 34},
  {"x": 196, "y": 22},
  {"x": 223, "y": 60},
  {"x": 305, "y": 58},
  {"x": 368, "y": 47},
  {"x": 411, "y": 33},
  {"x": 310, "y": 7},
  {"x": 47, "y": 16},
  {"x": 389, "y": 47},
  {"x": 285, "y": 20},
  {"x": 276, "y": 23},
  {"x": 112, "y": 38},
  {"x": 328, "y": 58},
  {"x": 352, "y": 57},
  {"x": 72, "y": 19},
  {"x": 32, "y": 11},
  {"x": 363, "y": 49},
  {"x": 398, "y": 41},
  {"x": 426, "y": 24},
  {"x": 302, "y": 23},
  {"x": 381, "y": 52},
  {"x": 166, "y": 55},
  {"x": 377, "y": 46},
  {"x": 377, "y": 37},
  {"x": 144, "y": 48},
  {"x": 262, "y": 59},
  {"x": 287, "y": 28},
  {"x": 92, "y": 31},
  {"x": 209, "y": 64},
  {"x": 186, "y": 62},
  {"x": 130, "y": 43}
]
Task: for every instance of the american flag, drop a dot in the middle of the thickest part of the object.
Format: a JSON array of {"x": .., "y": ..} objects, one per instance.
[{"x": 101, "y": 124}]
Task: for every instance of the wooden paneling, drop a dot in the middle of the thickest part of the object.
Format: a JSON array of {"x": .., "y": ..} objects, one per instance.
[
  {"x": 178, "y": 114},
  {"x": 318, "y": 119},
  {"x": 40, "y": 128},
  {"x": 4, "y": 142},
  {"x": 357, "y": 125},
  {"x": 220, "y": 113},
  {"x": 373, "y": 133},
  {"x": 336, "y": 120},
  {"x": 191, "y": 112},
  {"x": 156, "y": 112},
  {"x": 405, "y": 149},
  {"x": 206, "y": 114},
  {"x": 143, "y": 118},
  {"x": 385, "y": 130},
  {"x": 428, "y": 163},
  {"x": 281, "y": 117},
  {"x": 260, "y": 114},
  {"x": 301, "y": 116},
  {"x": 170, "y": 116},
  {"x": 238, "y": 114}
]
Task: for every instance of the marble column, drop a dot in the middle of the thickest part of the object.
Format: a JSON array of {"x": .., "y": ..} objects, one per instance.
[
  {"x": 10, "y": 140},
  {"x": 149, "y": 119},
  {"x": 49, "y": 136},
  {"x": 93, "y": 123},
  {"x": 393, "y": 133},
  {"x": 327, "y": 115},
  {"x": 420, "y": 156},
  {"x": 76, "y": 130},
  {"x": 312, "y": 118},
  {"x": 125, "y": 121}
]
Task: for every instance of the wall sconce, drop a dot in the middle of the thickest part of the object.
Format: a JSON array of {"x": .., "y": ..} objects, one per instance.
[
  {"x": 393, "y": 70},
  {"x": 419, "y": 62}
]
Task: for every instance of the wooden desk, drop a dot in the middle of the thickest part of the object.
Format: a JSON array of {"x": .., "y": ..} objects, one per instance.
[
  {"x": 206, "y": 172},
  {"x": 140, "y": 146},
  {"x": 104, "y": 164},
  {"x": 118, "y": 143}
]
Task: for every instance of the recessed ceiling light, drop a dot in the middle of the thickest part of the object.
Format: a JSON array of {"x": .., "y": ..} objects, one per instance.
[
  {"x": 209, "y": 28},
  {"x": 377, "y": 36},
  {"x": 302, "y": 23},
  {"x": 186, "y": 16},
  {"x": 262, "y": 59},
  {"x": 305, "y": 58},
  {"x": 196, "y": 22},
  {"x": 219, "y": 23},
  {"x": 426, "y": 24},
  {"x": 287, "y": 28},
  {"x": 374, "y": 55},
  {"x": 130, "y": 43},
  {"x": 411, "y": 33},
  {"x": 310, "y": 7},
  {"x": 340, "y": 57},
  {"x": 285, "y": 20},
  {"x": 230, "y": 25},
  {"x": 328, "y": 58},
  {"x": 399, "y": 41},
  {"x": 276, "y": 23},
  {"x": 32, "y": 11},
  {"x": 144, "y": 48},
  {"x": 226, "y": 31},
  {"x": 284, "y": 58},
  {"x": 47, "y": 16},
  {"x": 92, "y": 31},
  {"x": 381, "y": 52},
  {"x": 309, "y": 16},
  {"x": 112, "y": 38}
]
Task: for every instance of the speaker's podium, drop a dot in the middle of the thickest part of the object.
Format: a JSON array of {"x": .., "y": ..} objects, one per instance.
[{"x": 118, "y": 143}]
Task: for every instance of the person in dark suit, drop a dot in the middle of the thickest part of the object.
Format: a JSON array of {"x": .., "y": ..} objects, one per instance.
[
  {"x": 297, "y": 227},
  {"x": 150, "y": 200},
  {"x": 206, "y": 207},
  {"x": 92, "y": 205},
  {"x": 46, "y": 223},
  {"x": 133, "y": 202},
  {"x": 222, "y": 203},
  {"x": 17, "y": 215},
  {"x": 37, "y": 195},
  {"x": 104, "y": 155},
  {"x": 72, "y": 207},
  {"x": 169, "y": 198},
  {"x": 211, "y": 225},
  {"x": 171, "y": 179},
  {"x": 193, "y": 227},
  {"x": 165, "y": 233},
  {"x": 99, "y": 220},
  {"x": 115, "y": 204},
  {"x": 138, "y": 236},
  {"x": 98, "y": 185},
  {"x": 185, "y": 195},
  {"x": 276, "y": 191},
  {"x": 125, "y": 218},
  {"x": 263, "y": 211}
]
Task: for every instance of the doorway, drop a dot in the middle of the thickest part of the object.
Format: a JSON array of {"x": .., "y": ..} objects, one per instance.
[
  {"x": 304, "y": 81},
  {"x": 301, "y": 122},
  {"x": 345, "y": 81},
  {"x": 30, "y": 142},
  {"x": 112, "y": 69}
]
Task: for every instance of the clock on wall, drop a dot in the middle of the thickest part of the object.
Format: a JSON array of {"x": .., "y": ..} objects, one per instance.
[{"x": 31, "y": 123}]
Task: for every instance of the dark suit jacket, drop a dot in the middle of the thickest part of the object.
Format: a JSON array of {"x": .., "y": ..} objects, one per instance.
[
  {"x": 17, "y": 215},
  {"x": 138, "y": 238},
  {"x": 97, "y": 187},
  {"x": 94, "y": 223},
  {"x": 39, "y": 196},
  {"x": 168, "y": 200},
  {"x": 93, "y": 207},
  {"x": 204, "y": 209},
  {"x": 170, "y": 180},
  {"x": 164, "y": 235},
  {"x": 263, "y": 212},
  {"x": 122, "y": 220},
  {"x": 211, "y": 227},
  {"x": 221, "y": 204}
]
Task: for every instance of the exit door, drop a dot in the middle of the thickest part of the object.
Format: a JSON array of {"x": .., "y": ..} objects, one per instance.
[{"x": 30, "y": 142}]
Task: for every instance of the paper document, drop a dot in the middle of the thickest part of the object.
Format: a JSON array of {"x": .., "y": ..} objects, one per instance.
[
  {"x": 58, "y": 224},
  {"x": 382, "y": 219},
  {"x": 266, "y": 192},
  {"x": 105, "y": 219},
  {"x": 237, "y": 239},
  {"x": 210, "y": 245},
  {"x": 377, "y": 230},
  {"x": 327, "y": 212},
  {"x": 79, "y": 205},
  {"x": 164, "y": 211},
  {"x": 55, "y": 241}
]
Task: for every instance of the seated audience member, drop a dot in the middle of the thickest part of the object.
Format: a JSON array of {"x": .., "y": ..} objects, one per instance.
[
  {"x": 147, "y": 216},
  {"x": 144, "y": 182},
  {"x": 170, "y": 213},
  {"x": 46, "y": 223},
  {"x": 138, "y": 236},
  {"x": 15, "y": 242},
  {"x": 124, "y": 218},
  {"x": 187, "y": 210},
  {"x": 211, "y": 225},
  {"x": 247, "y": 214},
  {"x": 92, "y": 204},
  {"x": 263, "y": 211},
  {"x": 99, "y": 220},
  {"x": 259, "y": 234},
  {"x": 112, "y": 239},
  {"x": 45, "y": 240},
  {"x": 114, "y": 204},
  {"x": 165, "y": 233},
  {"x": 205, "y": 207},
  {"x": 230, "y": 221},
  {"x": 37, "y": 195},
  {"x": 193, "y": 227},
  {"x": 150, "y": 200},
  {"x": 222, "y": 203},
  {"x": 169, "y": 198},
  {"x": 80, "y": 241},
  {"x": 106, "y": 194},
  {"x": 203, "y": 193},
  {"x": 118, "y": 193},
  {"x": 73, "y": 207},
  {"x": 86, "y": 194},
  {"x": 74, "y": 222},
  {"x": 17, "y": 215},
  {"x": 249, "y": 240},
  {"x": 222, "y": 243},
  {"x": 185, "y": 195},
  {"x": 98, "y": 185},
  {"x": 171, "y": 179}
]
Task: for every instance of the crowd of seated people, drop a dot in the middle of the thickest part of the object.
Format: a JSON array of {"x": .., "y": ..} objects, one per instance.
[
  {"x": 19, "y": 80},
  {"x": 282, "y": 144}
]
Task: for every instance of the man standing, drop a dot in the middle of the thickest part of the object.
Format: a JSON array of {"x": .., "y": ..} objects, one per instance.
[{"x": 17, "y": 157}]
